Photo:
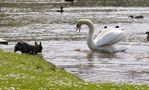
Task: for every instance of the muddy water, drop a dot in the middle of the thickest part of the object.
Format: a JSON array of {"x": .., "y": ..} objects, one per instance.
[{"x": 57, "y": 33}]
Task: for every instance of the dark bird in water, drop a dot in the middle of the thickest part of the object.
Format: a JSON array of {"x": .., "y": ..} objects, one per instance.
[
  {"x": 137, "y": 17},
  {"x": 61, "y": 10},
  {"x": 131, "y": 16},
  {"x": 147, "y": 36},
  {"x": 116, "y": 26},
  {"x": 105, "y": 27},
  {"x": 70, "y": 1}
]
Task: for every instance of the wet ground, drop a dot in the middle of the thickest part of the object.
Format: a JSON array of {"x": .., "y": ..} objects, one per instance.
[{"x": 57, "y": 33}]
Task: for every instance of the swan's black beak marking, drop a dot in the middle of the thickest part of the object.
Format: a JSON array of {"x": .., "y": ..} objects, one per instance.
[{"x": 78, "y": 27}]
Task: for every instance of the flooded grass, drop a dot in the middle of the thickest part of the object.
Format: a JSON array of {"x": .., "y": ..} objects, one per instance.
[{"x": 18, "y": 71}]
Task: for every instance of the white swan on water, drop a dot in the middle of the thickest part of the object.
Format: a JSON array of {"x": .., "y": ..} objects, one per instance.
[{"x": 105, "y": 40}]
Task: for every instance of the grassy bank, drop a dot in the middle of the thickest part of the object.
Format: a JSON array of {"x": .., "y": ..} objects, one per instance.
[{"x": 32, "y": 72}]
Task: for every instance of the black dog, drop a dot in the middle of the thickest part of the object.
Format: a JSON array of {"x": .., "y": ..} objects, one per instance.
[{"x": 27, "y": 48}]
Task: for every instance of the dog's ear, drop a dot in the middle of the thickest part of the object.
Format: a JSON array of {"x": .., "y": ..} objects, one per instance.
[
  {"x": 36, "y": 43},
  {"x": 40, "y": 44}
]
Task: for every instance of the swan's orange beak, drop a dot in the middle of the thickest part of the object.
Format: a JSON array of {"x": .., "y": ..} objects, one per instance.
[{"x": 78, "y": 27}]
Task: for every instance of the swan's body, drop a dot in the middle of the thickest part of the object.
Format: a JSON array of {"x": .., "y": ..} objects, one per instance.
[{"x": 105, "y": 39}]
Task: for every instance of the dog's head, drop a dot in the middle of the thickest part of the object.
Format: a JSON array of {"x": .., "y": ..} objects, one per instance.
[{"x": 39, "y": 47}]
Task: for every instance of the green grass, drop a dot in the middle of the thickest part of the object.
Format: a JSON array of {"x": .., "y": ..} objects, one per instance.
[{"x": 28, "y": 72}]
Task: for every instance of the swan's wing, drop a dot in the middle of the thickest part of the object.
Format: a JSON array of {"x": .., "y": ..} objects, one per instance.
[{"x": 109, "y": 37}]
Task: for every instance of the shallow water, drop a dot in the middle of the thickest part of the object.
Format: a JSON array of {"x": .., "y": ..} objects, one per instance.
[{"x": 57, "y": 33}]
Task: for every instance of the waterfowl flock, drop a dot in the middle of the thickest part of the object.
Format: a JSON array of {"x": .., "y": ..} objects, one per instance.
[
  {"x": 136, "y": 17},
  {"x": 105, "y": 40}
]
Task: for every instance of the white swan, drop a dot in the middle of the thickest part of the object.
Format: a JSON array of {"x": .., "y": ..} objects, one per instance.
[{"x": 105, "y": 39}]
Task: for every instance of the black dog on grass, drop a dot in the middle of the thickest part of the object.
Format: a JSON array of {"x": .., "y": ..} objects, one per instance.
[{"x": 27, "y": 48}]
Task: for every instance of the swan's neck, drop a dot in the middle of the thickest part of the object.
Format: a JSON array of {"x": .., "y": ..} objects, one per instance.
[{"x": 90, "y": 41}]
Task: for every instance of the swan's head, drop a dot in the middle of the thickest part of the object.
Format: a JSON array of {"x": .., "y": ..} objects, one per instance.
[
  {"x": 78, "y": 27},
  {"x": 81, "y": 22}
]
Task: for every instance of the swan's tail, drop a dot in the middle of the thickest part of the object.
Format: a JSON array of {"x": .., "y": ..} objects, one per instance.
[
  {"x": 121, "y": 48},
  {"x": 111, "y": 49}
]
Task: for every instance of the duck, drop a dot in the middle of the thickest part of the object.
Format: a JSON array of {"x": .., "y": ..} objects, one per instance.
[
  {"x": 139, "y": 17},
  {"x": 105, "y": 27},
  {"x": 61, "y": 10},
  {"x": 131, "y": 16},
  {"x": 116, "y": 26}
]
